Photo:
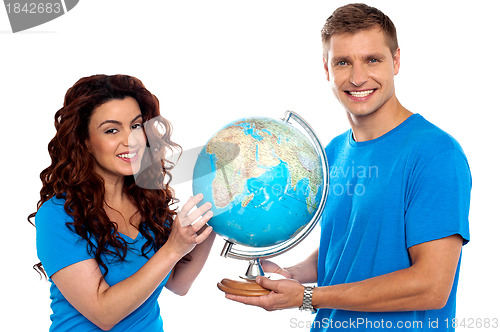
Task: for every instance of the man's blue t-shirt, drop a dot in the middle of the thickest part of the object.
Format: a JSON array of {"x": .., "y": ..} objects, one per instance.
[
  {"x": 409, "y": 186},
  {"x": 58, "y": 247}
]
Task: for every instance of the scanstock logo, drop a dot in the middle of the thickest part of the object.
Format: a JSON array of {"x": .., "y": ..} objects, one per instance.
[{"x": 28, "y": 14}]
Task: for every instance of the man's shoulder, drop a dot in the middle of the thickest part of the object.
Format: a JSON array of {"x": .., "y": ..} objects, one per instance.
[
  {"x": 431, "y": 139},
  {"x": 339, "y": 140}
]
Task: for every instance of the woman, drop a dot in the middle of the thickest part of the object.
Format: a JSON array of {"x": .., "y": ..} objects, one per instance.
[{"x": 106, "y": 233}]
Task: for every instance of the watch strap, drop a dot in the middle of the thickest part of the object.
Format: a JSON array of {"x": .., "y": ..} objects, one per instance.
[{"x": 307, "y": 299}]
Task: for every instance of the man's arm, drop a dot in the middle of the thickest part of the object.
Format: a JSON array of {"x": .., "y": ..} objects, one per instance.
[
  {"x": 304, "y": 272},
  {"x": 423, "y": 286}
]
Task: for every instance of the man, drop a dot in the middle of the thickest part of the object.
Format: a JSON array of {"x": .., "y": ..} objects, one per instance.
[{"x": 397, "y": 212}]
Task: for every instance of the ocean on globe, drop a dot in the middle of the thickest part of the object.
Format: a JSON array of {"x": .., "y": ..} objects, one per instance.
[{"x": 264, "y": 179}]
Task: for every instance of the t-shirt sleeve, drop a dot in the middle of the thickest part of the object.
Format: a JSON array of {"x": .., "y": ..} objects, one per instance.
[
  {"x": 438, "y": 198},
  {"x": 57, "y": 245}
]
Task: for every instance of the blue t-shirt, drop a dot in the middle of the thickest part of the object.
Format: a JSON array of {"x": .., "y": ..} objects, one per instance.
[
  {"x": 58, "y": 247},
  {"x": 409, "y": 186}
]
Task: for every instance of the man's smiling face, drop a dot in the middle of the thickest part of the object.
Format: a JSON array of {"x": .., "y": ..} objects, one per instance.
[{"x": 361, "y": 69}]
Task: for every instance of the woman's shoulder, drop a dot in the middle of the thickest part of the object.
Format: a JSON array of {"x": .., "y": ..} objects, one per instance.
[{"x": 53, "y": 210}]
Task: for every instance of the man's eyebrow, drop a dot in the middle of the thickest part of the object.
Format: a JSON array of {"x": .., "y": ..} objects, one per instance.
[
  {"x": 337, "y": 59},
  {"x": 378, "y": 56}
]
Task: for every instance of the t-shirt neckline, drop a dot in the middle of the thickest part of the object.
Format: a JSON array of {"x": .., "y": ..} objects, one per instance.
[{"x": 390, "y": 133}]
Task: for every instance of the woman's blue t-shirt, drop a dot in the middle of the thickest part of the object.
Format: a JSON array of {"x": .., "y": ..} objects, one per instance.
[{"x": 59, "y": 246}]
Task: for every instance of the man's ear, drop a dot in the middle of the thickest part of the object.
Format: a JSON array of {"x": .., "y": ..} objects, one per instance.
[
  {"x": 397, "y": 61},
  {"x": 325, "y": 67}
]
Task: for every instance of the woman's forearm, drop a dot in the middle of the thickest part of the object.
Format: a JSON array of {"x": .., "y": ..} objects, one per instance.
[{"x": 188, "y": 268}]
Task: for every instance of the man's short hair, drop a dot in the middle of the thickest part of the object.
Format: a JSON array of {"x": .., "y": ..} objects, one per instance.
[{"x": 357, "y": 17}]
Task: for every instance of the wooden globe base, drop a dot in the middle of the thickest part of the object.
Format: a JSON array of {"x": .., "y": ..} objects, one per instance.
[{"x": 242, "y": 287}]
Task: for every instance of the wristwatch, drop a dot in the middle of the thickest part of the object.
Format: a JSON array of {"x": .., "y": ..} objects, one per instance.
[{"x": 307, "y": 300}]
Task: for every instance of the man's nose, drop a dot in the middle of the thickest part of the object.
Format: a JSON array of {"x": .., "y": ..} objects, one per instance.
[{"x": 359, "y": 75}]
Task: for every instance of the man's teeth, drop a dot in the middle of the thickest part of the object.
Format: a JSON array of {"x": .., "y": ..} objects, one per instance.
[
  {"x": 127, "y": 155},
  {"x": 360, "y": 94}
]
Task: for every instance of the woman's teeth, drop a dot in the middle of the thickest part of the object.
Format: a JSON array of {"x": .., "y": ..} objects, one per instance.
[{"x": 127, "y": 155}]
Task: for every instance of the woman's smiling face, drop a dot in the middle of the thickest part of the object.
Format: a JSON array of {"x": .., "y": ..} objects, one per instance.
[{"x": 116, "y": 138}]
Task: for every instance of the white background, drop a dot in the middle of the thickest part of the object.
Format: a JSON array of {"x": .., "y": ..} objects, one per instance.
[{"x": 211, "y": 62}]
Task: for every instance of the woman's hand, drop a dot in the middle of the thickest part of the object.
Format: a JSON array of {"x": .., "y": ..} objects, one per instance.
[{"x": 184, "y": 234}]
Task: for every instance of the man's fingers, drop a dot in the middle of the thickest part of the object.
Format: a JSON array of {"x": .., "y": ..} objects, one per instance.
[
  {"x": 267, "y": 283},
  {"x": 271, "y": 267},
  {"x": 250, "y": 300}
]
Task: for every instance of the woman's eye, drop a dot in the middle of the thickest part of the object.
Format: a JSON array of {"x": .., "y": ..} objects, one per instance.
[
  {"x": 111, "y": 131},
  {"x": 137, "y": 126}
]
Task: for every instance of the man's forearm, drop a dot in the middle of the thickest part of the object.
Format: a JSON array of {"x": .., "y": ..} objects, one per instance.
[
  {"x": 306, "y": 271},
  {"x": 425, "y": 285}
]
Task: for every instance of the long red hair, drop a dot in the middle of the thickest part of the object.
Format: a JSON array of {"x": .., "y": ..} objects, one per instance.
[{"x": 71, "y": 172}]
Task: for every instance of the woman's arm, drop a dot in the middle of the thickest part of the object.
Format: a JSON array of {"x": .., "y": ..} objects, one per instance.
[
  {"x": 188, "y": 268},
  {"x": 105, "y": 306}
]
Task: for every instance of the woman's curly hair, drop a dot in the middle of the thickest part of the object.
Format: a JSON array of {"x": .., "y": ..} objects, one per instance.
[{"x": 71, "y": 173}]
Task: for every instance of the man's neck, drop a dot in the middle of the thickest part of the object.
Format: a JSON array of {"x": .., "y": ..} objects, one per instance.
[{"x": 378, "y": 123}]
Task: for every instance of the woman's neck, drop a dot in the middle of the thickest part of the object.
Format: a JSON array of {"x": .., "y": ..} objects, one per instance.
[{"x": 113, "y": 191}]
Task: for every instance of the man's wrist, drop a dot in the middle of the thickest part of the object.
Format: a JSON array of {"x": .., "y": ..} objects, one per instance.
[{"x": 307, "y": 299}]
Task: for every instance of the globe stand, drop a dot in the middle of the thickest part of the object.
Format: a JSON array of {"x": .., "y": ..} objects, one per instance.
[
  {"x": 242, "y": 288},
  {"x": 247, "y": 286}
]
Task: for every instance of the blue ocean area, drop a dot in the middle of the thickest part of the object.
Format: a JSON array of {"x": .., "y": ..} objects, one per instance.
[
  {"x": 268, "y": 212},
  {"x": 249, "y": 129}
]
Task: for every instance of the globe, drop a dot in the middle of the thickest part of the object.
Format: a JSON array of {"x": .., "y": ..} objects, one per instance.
[{"x": 264, "y": 178}]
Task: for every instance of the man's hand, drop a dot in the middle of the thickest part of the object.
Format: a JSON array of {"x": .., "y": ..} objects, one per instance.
[
  {"x": 271, "y": 267},
  {"x": 284, "y": 294}
]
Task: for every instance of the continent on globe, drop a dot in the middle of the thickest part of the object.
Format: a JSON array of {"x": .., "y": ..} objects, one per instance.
[{"x": 266, "y": 192}]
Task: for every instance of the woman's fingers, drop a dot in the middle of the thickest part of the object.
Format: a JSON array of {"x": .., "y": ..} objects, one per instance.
[
  {"x": 186, "y": 217},
  {"x": 200, "y": 223},
  {"x": 191, "y": 203},
  {"x": 202, "y": 210},
  {"x": 204, "y": 235}
]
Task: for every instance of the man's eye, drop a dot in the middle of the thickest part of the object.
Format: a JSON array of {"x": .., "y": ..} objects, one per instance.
[
  {"x": 373, "y": 60},
  {"x": 111, "y": 131},
  {"x": 342, "y": 63}
]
